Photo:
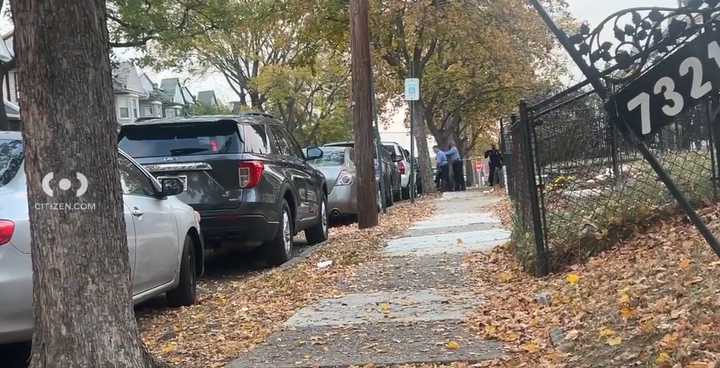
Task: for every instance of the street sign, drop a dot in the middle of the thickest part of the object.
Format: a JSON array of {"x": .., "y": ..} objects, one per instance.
[
  {"x": 673, "y": 86},
  {"x": 412, "y": 89}
]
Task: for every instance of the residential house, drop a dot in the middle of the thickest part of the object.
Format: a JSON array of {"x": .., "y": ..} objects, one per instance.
[
  {"x": 152, "y": 106},
  {"x": 207, "y": 98},
  {"x": 9, "y": 84},
  {"x": 177, "y": 100},
  {"x": 129, "y": 90}
]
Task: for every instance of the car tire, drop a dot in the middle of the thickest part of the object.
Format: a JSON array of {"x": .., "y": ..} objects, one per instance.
[
  {"x": 185, "y": 294},
  {"x": 319, "y": 232},
  {"x": 279, "y": 250}
]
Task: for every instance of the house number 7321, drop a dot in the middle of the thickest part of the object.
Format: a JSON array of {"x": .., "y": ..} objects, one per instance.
[{"x": 674, "y": 101}]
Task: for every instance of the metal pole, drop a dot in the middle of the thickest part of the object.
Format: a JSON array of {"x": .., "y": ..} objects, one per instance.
[
  {"x": 543, "y": 266},
  {"x": 413, "y": 179},
  {"x": 413, "y": 169}
]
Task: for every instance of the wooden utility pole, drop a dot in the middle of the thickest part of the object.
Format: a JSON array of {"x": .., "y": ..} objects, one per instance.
[{"x": 362, "y": 114}]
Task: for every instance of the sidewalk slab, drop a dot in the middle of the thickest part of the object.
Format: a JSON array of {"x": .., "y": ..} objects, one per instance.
[
  {"x": 359, "y": 345},
  {"x": 465, "y": 242},
  {"x": 457, "y": 219},
  {"x": 403, "y": 308},
  {"x": 386, "y": 307}
]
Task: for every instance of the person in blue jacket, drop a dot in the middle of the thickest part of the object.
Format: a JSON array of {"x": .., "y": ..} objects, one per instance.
[{"x": 442, "y": 180}]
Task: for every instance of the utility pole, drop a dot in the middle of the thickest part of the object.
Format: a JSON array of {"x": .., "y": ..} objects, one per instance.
[{"x": 362, "y": 114}]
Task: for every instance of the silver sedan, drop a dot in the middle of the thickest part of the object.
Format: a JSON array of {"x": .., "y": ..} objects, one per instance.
[{"x": 165, "y": 247}]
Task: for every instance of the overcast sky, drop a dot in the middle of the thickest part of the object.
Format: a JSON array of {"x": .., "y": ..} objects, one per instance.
[{"x": 593, "y": 11}]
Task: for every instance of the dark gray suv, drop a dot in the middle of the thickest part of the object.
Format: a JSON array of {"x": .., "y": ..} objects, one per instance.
[{"x": 245, "y": 175}]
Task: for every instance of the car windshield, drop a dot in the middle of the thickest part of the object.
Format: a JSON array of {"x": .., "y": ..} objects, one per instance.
[
  {"x": 330, "y": 157},
  {"x": 163, "y": 140},
  {"x": 11, "y": 156}
]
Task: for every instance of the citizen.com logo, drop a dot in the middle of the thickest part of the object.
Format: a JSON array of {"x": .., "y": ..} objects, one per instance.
[{"x": 79, "y": 186}]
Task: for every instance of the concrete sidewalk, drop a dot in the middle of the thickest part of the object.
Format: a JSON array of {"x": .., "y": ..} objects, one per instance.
[{"x": 405, "y": 308}]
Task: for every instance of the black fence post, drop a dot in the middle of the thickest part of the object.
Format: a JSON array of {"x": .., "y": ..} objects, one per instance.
[{"x": 542, "y": 264}]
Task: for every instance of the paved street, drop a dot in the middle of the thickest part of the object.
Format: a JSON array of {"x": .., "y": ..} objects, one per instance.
[{"x": 408, "y": 307}]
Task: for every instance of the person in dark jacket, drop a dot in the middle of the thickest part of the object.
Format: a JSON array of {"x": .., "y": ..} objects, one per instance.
[
  {"x": 456, "y": 167},
  {"x": 495, "y": 162}
]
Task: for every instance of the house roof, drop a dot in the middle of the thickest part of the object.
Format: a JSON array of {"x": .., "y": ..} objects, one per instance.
[
  {"x": 170, "y": 89},
  {"x": 126, "y": 79},
  {"x": 207, "y": 98}
]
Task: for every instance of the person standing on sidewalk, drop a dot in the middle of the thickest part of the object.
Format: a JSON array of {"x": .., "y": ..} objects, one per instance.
[
  {"x": 495, "y": 161},
  {"x": 456, "y": 167},
  {"x": 443, "y": 170}
]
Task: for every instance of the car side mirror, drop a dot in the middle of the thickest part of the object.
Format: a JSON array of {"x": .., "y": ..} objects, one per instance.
[
  {"x": 171, "y": 186},
  {"x": 313, "y": 153}
]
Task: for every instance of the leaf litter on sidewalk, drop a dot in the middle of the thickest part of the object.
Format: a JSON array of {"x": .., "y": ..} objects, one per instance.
[
  {"x": 236, "y": 313},
  {"x": 651, "y": 301}
]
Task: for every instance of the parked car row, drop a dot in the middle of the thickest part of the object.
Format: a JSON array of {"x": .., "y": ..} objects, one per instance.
[
  {"x": 196, "y": 184},
  {"x": 189, "y": 184},
  {"x": 336, "y": 162}
]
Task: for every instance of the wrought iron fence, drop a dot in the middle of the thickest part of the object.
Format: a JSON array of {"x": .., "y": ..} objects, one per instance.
[{"x": 578, "y": 186}]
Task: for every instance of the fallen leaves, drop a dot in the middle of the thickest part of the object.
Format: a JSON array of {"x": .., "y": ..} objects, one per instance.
[
  {"x": 453, "y": 345},
  {"x": 650, "y": 301},
  {"x": 237, "y": 312},
  {"x": 573, "y": 279}
]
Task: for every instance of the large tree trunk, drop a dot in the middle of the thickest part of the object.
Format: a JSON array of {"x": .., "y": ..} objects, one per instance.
[
  {"x": 362, "y": 114},
  {"x": 81, "y": 272},
  {"x": 424, "y": 163}
]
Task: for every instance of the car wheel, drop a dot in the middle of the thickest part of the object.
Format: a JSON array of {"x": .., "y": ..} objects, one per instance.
[
  {"x": 319, "y": 232},
  {"x": 185, "y": 293},
  {"x": 279, "y": 250}
]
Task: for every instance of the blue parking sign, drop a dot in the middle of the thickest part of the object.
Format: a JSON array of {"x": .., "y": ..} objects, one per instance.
[{"x": 412, "y": 89}]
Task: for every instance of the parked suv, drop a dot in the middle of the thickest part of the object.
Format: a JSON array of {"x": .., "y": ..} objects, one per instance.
[{"x": 245, "y": 175}]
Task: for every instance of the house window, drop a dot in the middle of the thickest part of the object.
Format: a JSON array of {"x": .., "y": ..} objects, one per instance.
[
  {"x": 169, "y": 113},
  {"x": 147, "y": 111},
  {"x": 156, "y": 111},
  {"x": 134, "y": 107},
  {"x": 124, "y": 112}
]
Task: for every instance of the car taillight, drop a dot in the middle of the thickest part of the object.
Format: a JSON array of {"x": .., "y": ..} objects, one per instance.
[
  {"x": 250, "y": 173},
  {"x": 401, "y": 167},
  {"x": 344, "y": 179},
  {"x": 7, "y": 228}
]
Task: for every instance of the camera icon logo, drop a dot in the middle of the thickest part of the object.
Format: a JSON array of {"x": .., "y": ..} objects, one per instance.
[{"x": 65, "y": 184}]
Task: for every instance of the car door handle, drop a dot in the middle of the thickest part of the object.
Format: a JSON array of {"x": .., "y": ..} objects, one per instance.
[{"x": 137, "y": 212}]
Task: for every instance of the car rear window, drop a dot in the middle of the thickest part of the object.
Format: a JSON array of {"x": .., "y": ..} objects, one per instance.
[
  {"x": 330, "y": 157},
  {"x": 163, "y": 140},
  {"x": 11, "y": 156}
]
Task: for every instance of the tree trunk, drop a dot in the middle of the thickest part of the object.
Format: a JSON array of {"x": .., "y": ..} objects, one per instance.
[
  {"x": 362, "y": 114},
  {"x": 424, "y": 163},
  {"x": 469, "y": 173},
  {"x": 81, "y": 272}
]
